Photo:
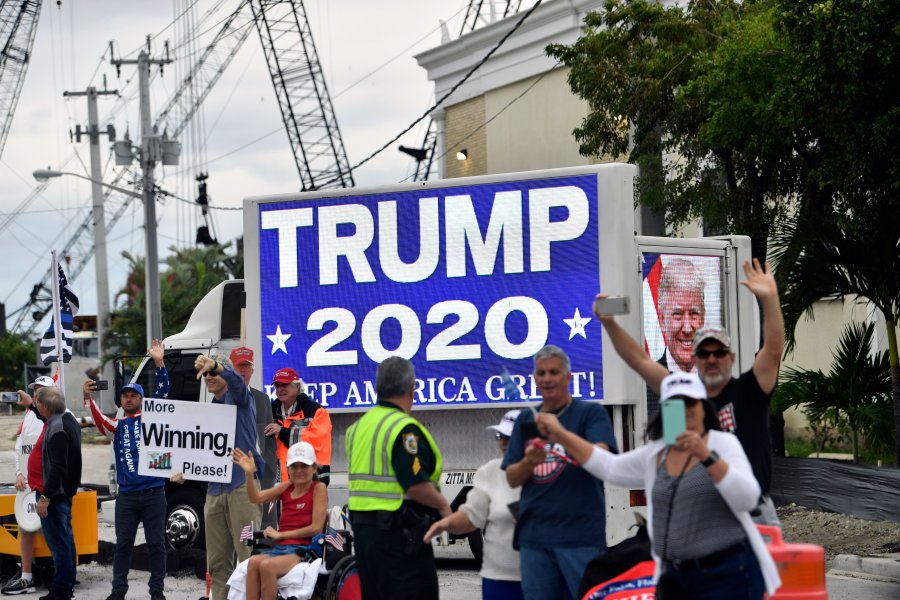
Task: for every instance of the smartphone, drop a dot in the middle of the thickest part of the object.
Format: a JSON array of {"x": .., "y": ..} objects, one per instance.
[
  {"x": 11, "y": 397},
  {"x": 673, "y": 423},
  {"x": 101, "y": 385},
  {"x": 529, "y": 430},
  {"x": 612, "y": 305}
]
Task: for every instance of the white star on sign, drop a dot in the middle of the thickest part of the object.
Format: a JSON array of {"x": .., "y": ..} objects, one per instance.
[
  {"x": 278, "y": 340},
  {"x": 576, "y": 324}
]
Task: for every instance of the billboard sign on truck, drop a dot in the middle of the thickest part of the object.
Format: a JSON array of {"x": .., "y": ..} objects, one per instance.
[{"x": 466, "y": 281}]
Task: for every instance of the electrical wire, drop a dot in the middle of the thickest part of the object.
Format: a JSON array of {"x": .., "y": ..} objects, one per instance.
[
  {"x": 495, "y": 115},
  {"x": 446, "y": 95}
]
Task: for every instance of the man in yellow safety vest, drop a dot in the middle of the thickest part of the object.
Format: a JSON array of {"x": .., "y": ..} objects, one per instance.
[{"x": 394, "y": 475}]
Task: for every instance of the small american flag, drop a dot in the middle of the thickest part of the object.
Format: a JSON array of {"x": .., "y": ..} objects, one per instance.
[
  {"x": 246, "y": 533},
  {"x": 334, "y": 539},
  {"x": 726, "y": 418}
]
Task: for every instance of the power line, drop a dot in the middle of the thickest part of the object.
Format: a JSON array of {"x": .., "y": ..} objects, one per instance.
[{"x": 453, "y": 89}]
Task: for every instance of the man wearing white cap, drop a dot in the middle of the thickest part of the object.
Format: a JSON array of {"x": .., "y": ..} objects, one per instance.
[
  {"x": 26, "y": 438},
  {"x": 743, "y": 402},
  {"x": 487, "y": 508}
]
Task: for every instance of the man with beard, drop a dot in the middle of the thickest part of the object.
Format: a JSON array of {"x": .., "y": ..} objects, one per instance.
[{"x": 743, "y": 402}]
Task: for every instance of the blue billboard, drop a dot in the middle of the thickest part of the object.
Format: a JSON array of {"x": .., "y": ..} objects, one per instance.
[{"x": 467, "y": 282}]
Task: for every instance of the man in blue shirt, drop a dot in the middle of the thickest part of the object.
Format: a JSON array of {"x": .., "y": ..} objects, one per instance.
[
  {"x": 228, "y": 509},
  {"x": 141, "y": 498},
  {"x": 562, "y": 519}
]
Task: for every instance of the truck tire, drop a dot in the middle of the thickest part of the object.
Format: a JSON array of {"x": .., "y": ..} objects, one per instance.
[{"x": 184, "y": 519}]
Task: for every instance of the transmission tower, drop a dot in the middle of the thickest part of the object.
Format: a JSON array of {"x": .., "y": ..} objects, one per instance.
[
  {"x": 303, "y": 97},
  {"x": 477, "y": 13},
  {"x": 18, "y": 24}
]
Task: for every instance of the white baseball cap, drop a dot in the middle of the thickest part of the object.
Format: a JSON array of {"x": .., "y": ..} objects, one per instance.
[
  {"x": 505, "y": 426},
  {"x": 43, "y": 381},
  {"x": 301, "y": 452},
  {"x": 677, "y": 385}
]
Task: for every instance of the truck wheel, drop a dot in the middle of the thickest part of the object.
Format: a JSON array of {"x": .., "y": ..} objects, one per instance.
[
  {"x": 476, "y": 545},
  {"x": 184, "y": 519}
]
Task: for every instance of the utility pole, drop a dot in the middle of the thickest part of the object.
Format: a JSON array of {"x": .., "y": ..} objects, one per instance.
[
  {"x": 99, "y": 218},
  {"x": 153, "y": 148}
]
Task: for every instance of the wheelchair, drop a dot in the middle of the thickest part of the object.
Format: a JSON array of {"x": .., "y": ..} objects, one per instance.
[{"x": 338, "y": 576}]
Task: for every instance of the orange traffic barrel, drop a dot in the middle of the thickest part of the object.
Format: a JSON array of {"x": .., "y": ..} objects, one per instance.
[{"x": 800, "y": 566}]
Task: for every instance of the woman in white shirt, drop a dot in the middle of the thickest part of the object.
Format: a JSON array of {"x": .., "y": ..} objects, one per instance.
[
  {"x": 701, "y": 491},
  {"x": 487, "y": 508}
]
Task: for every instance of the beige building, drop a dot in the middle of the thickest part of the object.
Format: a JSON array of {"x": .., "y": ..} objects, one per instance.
[{"x": 517, "y": 113}]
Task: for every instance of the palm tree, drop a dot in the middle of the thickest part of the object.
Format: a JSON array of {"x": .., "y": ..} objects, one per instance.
[
  {"x": 855, "y": 393},
  {"x": 190, "y": 273},
  {"x": 855, "y": 253}
]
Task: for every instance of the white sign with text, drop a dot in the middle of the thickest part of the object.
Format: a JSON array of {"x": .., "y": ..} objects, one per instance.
[{"x": 194, "y": 438}]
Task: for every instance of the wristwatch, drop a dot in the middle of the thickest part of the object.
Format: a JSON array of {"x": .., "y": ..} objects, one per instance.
[
  {"x": 709, "y": 460},
  {"x": 44, "y": 498}
]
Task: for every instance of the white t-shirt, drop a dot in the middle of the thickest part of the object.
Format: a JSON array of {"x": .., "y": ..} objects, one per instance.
[
  {"x": 487, "y": 504},
  {"x": 27, "y": 436}
]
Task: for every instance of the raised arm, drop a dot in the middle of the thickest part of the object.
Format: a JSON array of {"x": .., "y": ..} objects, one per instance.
[
  {"x": 762, "y": 284},
  {"x": 104, "y": 424},
  {"x": 631, "y": 352},
  {"x": 320, "y": 504},
  {"x": 244, "y": 460},
  {"x": 157, "y": 352}
]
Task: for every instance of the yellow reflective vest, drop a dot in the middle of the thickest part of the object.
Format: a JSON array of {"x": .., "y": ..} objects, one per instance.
[{"x": 369, "y": 443}]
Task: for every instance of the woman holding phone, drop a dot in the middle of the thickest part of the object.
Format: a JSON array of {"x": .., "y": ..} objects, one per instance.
[{"x": 702, "y": 490}]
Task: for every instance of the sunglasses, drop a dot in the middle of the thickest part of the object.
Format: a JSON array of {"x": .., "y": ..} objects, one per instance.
[
  {"x": 718, "y": 353},
  {"x": 210, "y": 374},
  {"x": 499, "y": 436}
]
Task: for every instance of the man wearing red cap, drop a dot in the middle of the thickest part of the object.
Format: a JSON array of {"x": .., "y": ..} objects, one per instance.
[
  {"x": 297, "y": 418},
  {"x": 242, "y": 359}
]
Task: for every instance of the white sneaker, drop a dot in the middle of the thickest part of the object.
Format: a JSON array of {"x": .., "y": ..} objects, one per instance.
[{"x": 18, "y": 586}]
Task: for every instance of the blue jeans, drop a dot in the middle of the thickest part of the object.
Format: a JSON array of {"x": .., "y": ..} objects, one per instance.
[
  {"x": 737, "y": 577},
  {"x": 147, "y": 507},
  {"x": 554, "y": 573},
  {"x": 498, "y": 589},
  {"x": 57, "y": 528}
]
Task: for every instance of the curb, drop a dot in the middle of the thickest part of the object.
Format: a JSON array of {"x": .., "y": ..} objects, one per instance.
[{"x": 882, "y": 566}]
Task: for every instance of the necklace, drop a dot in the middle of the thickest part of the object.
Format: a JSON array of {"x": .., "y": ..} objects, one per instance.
[{"x": 561, "y": 412}]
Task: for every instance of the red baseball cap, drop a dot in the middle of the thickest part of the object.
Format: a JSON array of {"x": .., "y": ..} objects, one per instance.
[
  {"x": 286, "y": 376},
  {"x": 241, "y": 355}
]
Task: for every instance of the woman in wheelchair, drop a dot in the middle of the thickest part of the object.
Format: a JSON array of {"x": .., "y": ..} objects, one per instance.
[{"x": 304, "y": 502}]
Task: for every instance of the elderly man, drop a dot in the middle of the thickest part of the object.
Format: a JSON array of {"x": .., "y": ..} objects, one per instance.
[
  {"x": 242, "y": 359},
  {"x": 681, "y": 311},
  {"x": 392, "y": 503},
  {"x": 26, "y": 442},
  {"x": 743, "y": 403},
  {"x": 562, "y": 523},
  {"x": 298, "y": 418},
  {"x": 228, "y": 510},
  {"x": 141, "y": 499},
  {"x": 61, "y": 460}
]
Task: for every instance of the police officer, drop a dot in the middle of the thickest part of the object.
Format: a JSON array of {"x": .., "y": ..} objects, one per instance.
[{"x": 393, "y": 503}]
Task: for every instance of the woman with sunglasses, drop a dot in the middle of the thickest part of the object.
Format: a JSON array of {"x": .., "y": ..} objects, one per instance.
[
  {"x": 487, "y": 508},
  {"x": 702, "y": 490}
]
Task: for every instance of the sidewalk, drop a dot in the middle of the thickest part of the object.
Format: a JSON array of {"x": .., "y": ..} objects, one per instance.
[{"x": 885, "y": 567}]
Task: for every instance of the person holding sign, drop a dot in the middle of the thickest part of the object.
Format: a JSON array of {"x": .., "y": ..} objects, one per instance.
[
  {"x": 701, "y": 491},
  {"x": 27, "y": 437},
  {"x": 298, "y": 418},
  {"x": 141, "y": 498},
  {"x": 304, "y": 503},
  {"x": 228, "y": 508}
]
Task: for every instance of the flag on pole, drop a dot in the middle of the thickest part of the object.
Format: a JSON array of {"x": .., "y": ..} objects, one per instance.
[
  {"x": 510, "y": 389},
  {"x": 67, "y": 309},
  {"x": 334, "y": 539},
  {"x": 246, "y": 533}
]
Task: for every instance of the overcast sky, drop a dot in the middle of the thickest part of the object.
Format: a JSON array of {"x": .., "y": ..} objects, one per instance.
[{"x": 71, "y": 52}]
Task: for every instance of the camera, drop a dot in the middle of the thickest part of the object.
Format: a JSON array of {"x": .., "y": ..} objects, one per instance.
[
  {"x": 10, "y": 397},
  {"x": 101, "y": 385}
]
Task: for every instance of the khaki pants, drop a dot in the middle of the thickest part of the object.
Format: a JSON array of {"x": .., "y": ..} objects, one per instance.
[{"x": 226, "y": 514}]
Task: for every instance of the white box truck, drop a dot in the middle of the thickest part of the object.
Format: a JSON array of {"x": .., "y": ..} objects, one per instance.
[{"x": 467, "y": 278}]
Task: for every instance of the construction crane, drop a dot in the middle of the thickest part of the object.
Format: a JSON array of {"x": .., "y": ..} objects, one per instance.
[
  {"x": 18, "y": 24},
  {"x": 302, "y": 94}
]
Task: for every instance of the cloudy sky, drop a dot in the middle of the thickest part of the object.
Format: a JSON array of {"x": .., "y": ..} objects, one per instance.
[{"x": 366, "y": 49}]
